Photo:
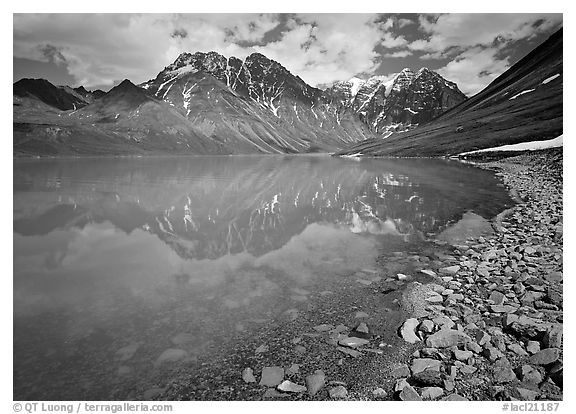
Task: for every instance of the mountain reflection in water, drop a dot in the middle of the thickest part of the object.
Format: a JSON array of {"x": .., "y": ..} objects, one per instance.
[{"x": 116, "y": 253}]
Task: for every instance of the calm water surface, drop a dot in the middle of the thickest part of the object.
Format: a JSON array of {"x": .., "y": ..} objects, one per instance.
[{"x": 117, "y": 261}]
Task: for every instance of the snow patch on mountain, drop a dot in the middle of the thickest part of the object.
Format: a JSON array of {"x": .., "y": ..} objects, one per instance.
[
  {"x": 550, "y": 79},
  {"x": 522, "y": 93},
  {"x": 356, "y": 84},
  {"x": 524, "y": 146}
]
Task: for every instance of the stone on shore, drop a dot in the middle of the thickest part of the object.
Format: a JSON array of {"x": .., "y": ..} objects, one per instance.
[
  {"x": 315, "y": 382},
  {"x": 450, "y": 270},
  {"x": 431, "y": 393},
  {"x": 545, "y": 357},
  {"x": 445, "y": 338},
  {"x": 502, "y": 371},
  {"x": 353, "y": 342},
  {"x": 455, "y": 397},
  {"x": 400, "y": 370},
  {"x": 553, "y": 337},
  {"x": 248, "y": 375},
  {"x": 408, "y": 393},
  {"x": 379, "y": 393},
  {"x": 338, "y": 392},
  {"x": 422, "y": 364},
  {"x": 408, "y": 331},
  {"x": 272, "y": 376},
  {"x": 289, "y": 386}
]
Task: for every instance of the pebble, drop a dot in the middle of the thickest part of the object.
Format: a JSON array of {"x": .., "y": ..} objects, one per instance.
[
  {"x": 338, "y": 392},
  {"x": 261, "y": 349},
  {"x": 379, "y": 393},
  {"x": 362, "y": 328},
  {"x": 289, "y": 386},
  {"x": 248, "y": 375}
]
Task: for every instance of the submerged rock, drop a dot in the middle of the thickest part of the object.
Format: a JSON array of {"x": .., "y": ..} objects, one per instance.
[
  {"x": 127, "y": 352},
  {"x": 171, "y": 355}
]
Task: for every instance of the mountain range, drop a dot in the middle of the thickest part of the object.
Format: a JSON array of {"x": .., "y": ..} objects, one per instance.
[
  {"x": 523, "y": 104},
  {"x": 204, "y": 103}
]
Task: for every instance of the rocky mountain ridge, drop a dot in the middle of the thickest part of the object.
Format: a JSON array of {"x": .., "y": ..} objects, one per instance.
[
  {"x": 205, "y": 103},
  {"x": 390, "y": 104}
]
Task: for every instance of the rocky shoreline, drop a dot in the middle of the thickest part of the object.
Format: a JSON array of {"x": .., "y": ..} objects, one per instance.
[
  {"x": 493, "y": 326},
  {"x": 477, "y": 320}
]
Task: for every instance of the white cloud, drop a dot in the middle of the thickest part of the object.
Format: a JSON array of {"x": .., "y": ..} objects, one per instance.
[
  {"x": 474, "y": 69},
  {"x": 100, "y": 49},
  {"x": 398, "y": 54},
  {"x": 328, "y": 47},
  {"x": 474, "y": 41},
  {"x": 390, "y": 41},
  {"x": 405, "y": 22},
  {"x": 472, "y": 29}
]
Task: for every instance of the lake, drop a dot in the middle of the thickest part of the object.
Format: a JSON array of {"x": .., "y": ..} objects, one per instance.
[{"x": 127, "y": 268}]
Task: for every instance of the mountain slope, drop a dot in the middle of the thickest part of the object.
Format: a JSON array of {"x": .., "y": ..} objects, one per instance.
[
  {"x": 44, "y": 91},
  {"x": 523, "y": 104},
  {"x": 256, "y": 100},
  {"x": 126, "y": 120},
  {"x": 409, "y": 99},
  {"x": 201, "y": 104}
]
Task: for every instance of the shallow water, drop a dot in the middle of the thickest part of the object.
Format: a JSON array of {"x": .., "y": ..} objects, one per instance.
[{"x": 125, "y": 266}]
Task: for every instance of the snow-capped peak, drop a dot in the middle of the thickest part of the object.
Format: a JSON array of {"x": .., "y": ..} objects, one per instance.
[{"x": 356, "y": 84}]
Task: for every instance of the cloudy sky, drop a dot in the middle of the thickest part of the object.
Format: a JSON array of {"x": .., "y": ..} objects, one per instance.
[{"x": 98, "y": 51}]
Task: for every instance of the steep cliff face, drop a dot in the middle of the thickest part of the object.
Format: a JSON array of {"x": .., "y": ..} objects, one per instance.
[{"x": 398, "y": 103}]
